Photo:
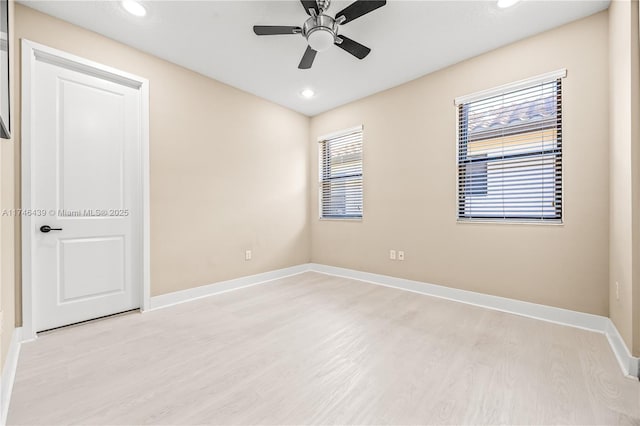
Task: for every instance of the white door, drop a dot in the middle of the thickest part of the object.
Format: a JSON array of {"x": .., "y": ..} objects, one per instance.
[{"x": 86, "y": 187}]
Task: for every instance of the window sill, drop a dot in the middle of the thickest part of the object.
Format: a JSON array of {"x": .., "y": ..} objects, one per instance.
[
  {"x": 511, "y": 222},
  {"x": 340, "y": 219}
]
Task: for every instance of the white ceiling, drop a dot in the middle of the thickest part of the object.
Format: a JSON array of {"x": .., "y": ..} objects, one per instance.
[{"x": 408, "y": 39}]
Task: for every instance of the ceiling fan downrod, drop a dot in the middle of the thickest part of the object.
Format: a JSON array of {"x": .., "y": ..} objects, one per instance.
[{"x": 323, "y": 5}]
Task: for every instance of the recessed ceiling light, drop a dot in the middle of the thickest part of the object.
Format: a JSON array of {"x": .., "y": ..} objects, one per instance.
[
  {"x": 134, "y": 8},
  {"x": 307, "y": 93},
  {"x": 506, "y": 3}
]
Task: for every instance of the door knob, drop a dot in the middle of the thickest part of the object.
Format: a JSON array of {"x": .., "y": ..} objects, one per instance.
[{"x": 47, "y": 228}]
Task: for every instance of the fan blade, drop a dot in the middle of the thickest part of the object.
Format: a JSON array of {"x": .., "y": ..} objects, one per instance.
[
  {"x": 359, "y": 8},
  {"x": 310, "y": 4},
  {"x": 353, "y": 47},
  {"x": 307, "y": 58},
  {"x": 275, "y": 30}
]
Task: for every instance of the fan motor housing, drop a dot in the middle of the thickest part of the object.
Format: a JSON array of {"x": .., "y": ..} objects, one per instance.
[{"x": 320, "y": 23}]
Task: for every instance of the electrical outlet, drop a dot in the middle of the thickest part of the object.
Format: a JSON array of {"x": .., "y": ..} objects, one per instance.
[
  {"x": 617, "y": 291},
  {"x": 392, "y": 254},
  {"x": 400, "y": 255},
  {"x": 247, "y": 255}
]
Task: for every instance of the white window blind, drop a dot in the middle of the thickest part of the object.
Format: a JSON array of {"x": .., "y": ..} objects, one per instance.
[
  {"x": 510, "y": 154},
  {"x": 341, "y": 175}
]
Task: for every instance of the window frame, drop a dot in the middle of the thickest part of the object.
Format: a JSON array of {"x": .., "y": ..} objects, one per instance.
[
  {"x": 497, "y": 91},
  {"x": 321, "y": 140}
]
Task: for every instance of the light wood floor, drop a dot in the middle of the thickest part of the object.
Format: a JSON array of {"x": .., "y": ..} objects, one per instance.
[{"x": 319, "y": 349}]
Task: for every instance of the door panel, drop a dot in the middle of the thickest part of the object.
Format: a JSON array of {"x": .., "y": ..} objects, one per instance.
[
  {"x": 91, "y": 267},
  {"x": 86, "y": 160},
  {"x": 91, "y": 147}
]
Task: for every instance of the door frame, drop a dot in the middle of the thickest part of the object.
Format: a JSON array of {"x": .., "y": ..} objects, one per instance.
[{"x": 32, "y": 52}]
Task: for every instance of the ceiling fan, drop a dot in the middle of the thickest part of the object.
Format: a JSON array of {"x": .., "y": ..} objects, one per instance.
[{"x": 321, "y": 31}]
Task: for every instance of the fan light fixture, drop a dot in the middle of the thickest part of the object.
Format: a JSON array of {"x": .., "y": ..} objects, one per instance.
[
  {"x": 503, "y": 4},
  {"x": 320, "y": 40},
  {"x": 134, "y": 8},
  {"x": 308, "y": 93}
]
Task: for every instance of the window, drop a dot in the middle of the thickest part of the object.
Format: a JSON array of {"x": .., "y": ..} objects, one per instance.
[
  {"x": 341, "y": 175},
  {"x": 510, "y": 152}
]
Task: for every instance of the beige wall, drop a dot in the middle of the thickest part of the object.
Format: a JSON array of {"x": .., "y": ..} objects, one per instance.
[
  {"x": 623, "y": 134},
  {"x": 635, "y": 148},
  {"x": 7, "y": 223},
  {"x": 410, "y": 181},
  {"x": 228, "y": 169}
]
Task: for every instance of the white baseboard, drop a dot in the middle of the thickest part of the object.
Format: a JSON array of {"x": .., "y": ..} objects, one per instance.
[
  {"x": 9, "y": 374},
  {"x": 597, "y": 323},
  {"x": 629, "y": 364},
  {"x": 170, "y": 299}
]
